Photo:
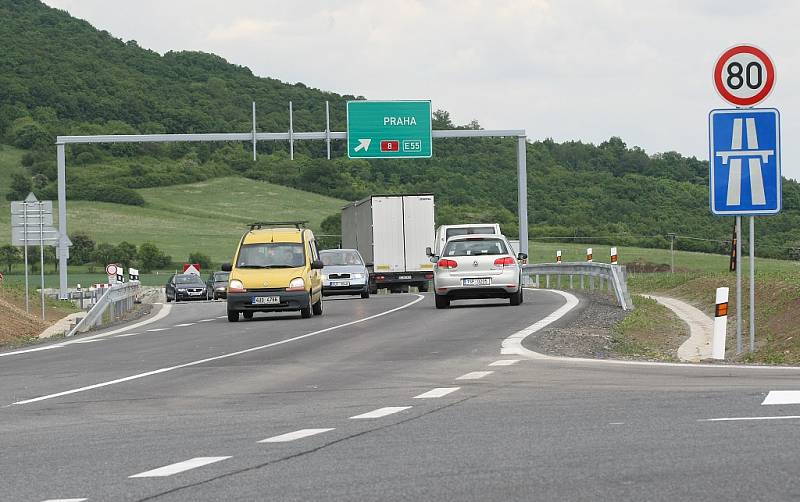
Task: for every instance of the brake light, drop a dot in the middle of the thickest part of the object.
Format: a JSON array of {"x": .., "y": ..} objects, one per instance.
[
  {"x": 445, "y": 263},
  {"x": 505, "y": 261}
]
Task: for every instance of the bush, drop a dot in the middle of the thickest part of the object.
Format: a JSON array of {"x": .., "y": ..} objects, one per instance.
[
  {"x": 104, "y": 193},
  {"x": 150, "y": 257},
  {"x": 203, "y": 260}
]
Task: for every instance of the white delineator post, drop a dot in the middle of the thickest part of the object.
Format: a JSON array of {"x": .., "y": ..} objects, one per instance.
[
  {"x": 558, "y": 257},
  {"x": 589, "y": 254},
  {"x": 720, "y": 324},
  {"x": 614, "y": 256}
]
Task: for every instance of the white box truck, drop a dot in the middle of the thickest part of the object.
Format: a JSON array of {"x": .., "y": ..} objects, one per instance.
[{"x": 392, "y": 233}]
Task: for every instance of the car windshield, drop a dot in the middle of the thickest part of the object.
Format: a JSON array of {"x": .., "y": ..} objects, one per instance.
[
  {"x": 452, "y": 232},
  {"x": 338, "y": 258},
  {"x": 475, "y": 247},
  {"x": 271, "y": 255},
  {"x": 221, "y": 276},
  {"x": 188, "y": 279}
]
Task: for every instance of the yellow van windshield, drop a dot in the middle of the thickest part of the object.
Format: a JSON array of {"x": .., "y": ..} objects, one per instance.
[{"x": 271, "y": 255}]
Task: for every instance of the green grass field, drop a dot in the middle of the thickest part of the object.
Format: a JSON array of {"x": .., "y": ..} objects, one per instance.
[{"x": 207, "y": 217}]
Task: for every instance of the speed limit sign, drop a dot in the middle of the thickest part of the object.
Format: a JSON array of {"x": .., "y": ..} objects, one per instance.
[{"x": 744, "y": 75}]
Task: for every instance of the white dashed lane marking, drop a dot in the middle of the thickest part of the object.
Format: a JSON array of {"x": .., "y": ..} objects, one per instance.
[
  {"x": 126, "y": 334},
  {"x": 291, "y": 436},
  {"x": 782, "y": 397},
  {"x": 157, "y": 329},
  {"x": 382, "y": 412},
  {"x": 504, "y": 362},
  {"x": 437, "y": 392},
  {"x": 206, "y": 320},
  {"x": 65, "y": 500},
  {"x": 474, "y": 375},
  {"x": 184, "y": 325},
  {"x": 86, "y": 341},
  {"x": 186, "y": 465}
]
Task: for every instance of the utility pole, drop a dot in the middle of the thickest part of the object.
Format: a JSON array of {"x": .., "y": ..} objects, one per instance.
[{"x": 671, "y": 253}]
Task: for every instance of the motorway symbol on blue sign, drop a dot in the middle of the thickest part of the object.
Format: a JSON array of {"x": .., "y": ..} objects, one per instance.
[{"x": 745, "y": 161}]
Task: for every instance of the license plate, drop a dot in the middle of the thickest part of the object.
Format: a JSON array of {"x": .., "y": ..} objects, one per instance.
[
  {"x": 340, "y": 283},
  {"x": 405, "y": 277},
  {"x": 266, "y": 300},
  {"x": 194, "y": 293},
  {"x": 476, "y": 282}
]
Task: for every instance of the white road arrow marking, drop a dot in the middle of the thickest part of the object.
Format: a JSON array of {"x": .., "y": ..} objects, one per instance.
[{"x": 363, "y": 144}]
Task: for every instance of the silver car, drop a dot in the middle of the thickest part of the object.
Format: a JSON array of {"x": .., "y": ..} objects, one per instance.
[
  {"x": 477, "y": 266},
  {"x": 344, "y": 273}
]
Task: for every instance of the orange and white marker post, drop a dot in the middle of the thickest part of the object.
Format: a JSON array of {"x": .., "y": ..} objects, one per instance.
[
  {"x": 720, "y": 324},
  {"x": 589, "y": 255},
  {"x": 614, "y": 256},
  {"x": 558, "y": 257}
]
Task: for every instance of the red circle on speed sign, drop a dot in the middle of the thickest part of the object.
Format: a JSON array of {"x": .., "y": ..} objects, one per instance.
[
  {"x": 744, "y": 75},
  {"x": 111, "y": 269}
]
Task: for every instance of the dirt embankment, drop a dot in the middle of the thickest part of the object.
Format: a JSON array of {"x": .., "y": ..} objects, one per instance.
[{"x": 16, "y": 326}]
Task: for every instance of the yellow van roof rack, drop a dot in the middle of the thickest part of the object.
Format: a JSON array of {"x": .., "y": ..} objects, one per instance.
[{"x": 266, "y": 224}]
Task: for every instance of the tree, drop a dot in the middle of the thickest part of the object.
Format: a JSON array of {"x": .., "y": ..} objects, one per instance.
[
  {"x": 125, "y": 253},
  {"x": 20, "y": 187},
  {"x": 203, "y": 260},
  {"x": 103, "y": 254},
  {"x": 82, "y": 249},
  {"x": 151, "y": 258},
  {"x": 9, "y": 255}
]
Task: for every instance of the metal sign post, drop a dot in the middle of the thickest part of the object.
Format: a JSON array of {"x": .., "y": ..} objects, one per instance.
[
  {"x": 41, "y": 255},
  {"x": 744, "y": 155},
  {"x": 291, "y": 136},
  {"x": 25, "y": 245}
]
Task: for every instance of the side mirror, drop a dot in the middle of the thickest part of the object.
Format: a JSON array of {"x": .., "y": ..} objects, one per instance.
[
  {"x": 434, "y": 258},
  {"x": 369, "y": 265},
  {"x": 226, "y": 267},
  {"x": 522, "y": 256},
  {"x": 428, "y": 251},
  {"x": 317, "y": 265}
]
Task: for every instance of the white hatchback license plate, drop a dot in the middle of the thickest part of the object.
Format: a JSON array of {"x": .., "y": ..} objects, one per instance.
[
  {"x": 405, "y": 277},
  {"x": 266, "y": 300},
  {"x": 340, "y": 283},
  {"x": 476, "y": 282}
]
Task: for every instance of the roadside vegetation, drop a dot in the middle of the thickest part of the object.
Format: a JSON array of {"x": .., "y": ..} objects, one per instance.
[{"x": 20, "y": 328}]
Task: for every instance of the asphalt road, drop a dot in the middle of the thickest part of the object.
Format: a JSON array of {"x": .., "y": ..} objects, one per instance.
[{"x": 181, "y": 410}]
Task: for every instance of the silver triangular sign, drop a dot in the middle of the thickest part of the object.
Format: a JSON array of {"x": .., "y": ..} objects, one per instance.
[{"x": 31, "y": 198}]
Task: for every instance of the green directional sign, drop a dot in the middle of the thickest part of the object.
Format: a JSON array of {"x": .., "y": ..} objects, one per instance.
[{"x": 389, "y": 129}]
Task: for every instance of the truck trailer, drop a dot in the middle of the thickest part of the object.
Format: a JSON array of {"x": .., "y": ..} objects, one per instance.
[{"x": 392, "y": 233}]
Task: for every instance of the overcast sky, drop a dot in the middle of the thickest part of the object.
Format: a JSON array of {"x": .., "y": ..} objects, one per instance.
[{"x": 566, "y": 69}]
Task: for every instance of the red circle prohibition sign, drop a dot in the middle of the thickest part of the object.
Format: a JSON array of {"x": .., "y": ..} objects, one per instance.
[{"x": 769, "y": 82}]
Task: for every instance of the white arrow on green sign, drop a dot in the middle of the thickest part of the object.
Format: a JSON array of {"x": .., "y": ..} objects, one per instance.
[{"x": 389, "y": 129}]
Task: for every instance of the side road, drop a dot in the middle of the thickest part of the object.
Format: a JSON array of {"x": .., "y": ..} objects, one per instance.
[{"x": 701, "y": 329}]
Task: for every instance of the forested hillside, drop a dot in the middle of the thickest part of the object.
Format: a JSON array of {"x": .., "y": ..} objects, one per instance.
[{"x": 62, "y": 76}]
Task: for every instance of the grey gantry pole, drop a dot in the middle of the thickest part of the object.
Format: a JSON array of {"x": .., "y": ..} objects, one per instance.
[
  {"x": 522, "y": 195},
  {"x": 254, "y": 131},
  {"x": 62, "y": 221}
]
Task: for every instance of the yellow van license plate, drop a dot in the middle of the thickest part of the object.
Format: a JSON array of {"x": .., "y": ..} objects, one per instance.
[{"x": 266, "y": 300}]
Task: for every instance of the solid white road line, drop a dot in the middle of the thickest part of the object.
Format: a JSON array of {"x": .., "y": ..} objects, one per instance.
[
  {"x": 782, "y": 397},
  {"x": 437, "y": 392},
  {"x": 741, "y": 419},
  {"x": 186, "y": 465},
  {"x": 382, "y": 412},
  {"x": 65, "y": 500},
  {"x": 291, "y": 436},
  {"x": 474, "y": 375},
  {"x": 184, "y": 325},
  {"x": 217, "y": 358},
  {"x": 513, "y": 346},
  {"x": 504, "y": 362},
  {"x": 37, "y": 349}
]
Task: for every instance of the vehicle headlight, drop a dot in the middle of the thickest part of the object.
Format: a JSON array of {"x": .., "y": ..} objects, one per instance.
[
  {"x": 182, "y": 290},
  {"x": 357, "y": 276},
  {"x": 236, "y": 285},
  {"x": 297, "y": 284}
]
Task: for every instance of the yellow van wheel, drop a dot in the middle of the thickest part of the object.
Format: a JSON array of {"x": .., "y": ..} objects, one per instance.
[{"x": 305, "y": 312}]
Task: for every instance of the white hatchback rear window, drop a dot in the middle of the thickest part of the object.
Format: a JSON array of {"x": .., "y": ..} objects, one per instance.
[{"x": 475, "y": 247}]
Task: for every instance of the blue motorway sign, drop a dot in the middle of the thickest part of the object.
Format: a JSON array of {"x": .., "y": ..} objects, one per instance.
[{"x": 745, "y": 161}]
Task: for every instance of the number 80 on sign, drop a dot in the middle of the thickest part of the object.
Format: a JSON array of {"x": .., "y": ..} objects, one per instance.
[{"x": 744, "y": 75}]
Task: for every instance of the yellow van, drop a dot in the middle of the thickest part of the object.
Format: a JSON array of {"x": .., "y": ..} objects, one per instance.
[{"x": 276, "y": 268}]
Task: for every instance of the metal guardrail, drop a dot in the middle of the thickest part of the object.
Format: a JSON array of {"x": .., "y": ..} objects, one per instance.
[
  {"x": 614, "y": 277},
  {"x": 115, "y": 301}
]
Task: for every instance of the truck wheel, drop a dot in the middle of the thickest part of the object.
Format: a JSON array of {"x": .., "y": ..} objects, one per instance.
[
  {"x": 423, "y": 287},
  {"x": 316, "y": 309},
  {"x": 373, "y": 289},
  {"x": 233, "y": 316},
  {"x": 442, "y": 302},
  {"x": 516, "y": 298}
]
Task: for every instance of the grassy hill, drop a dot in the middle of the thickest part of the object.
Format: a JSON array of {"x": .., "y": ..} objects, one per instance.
[{"x": 208, "y": 217}]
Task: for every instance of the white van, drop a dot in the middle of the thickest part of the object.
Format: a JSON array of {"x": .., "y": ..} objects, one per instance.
[{"x": 444, "y": 232}]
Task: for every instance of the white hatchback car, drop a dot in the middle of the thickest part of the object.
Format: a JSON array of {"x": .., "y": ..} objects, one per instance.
[{"x": 477, "y": 266}]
